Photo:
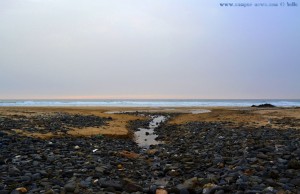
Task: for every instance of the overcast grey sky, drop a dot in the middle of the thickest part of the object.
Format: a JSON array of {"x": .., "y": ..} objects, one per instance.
[{"x": 147, "y": 49}]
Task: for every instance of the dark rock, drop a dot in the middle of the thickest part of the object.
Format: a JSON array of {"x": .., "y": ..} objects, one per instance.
[
  {"x": 13, "y": 171},
  {"x": 112, "y": 184},
  {"x": 70, "y": 187},
  {"x": 294, "y": 164},
  {"x": 296, "y": 182},
  {"x": 266, "y": 105},
  {"x": 131, "y": 186}
]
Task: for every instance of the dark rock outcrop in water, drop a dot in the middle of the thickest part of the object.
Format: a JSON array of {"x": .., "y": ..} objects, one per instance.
[
  {"x": 197, "y": 157},
  {"x": 266, "y": 105}
]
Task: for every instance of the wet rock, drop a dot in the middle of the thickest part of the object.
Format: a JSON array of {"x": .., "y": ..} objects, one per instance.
[
  {"x": 296, "y": 182},
  {"x": 70, "y": 187},
  {"x": 13, "y": 171},
  {"x": 131, "y": 186},
  {"x": 111, "y": 184},
  {"x": 294, "y": 164},
  {"x": 266, "y": 105},
  {"x": 220, "y": 158}
]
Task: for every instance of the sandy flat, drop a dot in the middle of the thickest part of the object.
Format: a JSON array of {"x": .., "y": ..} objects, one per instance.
[{"x": 252, "y": 117}]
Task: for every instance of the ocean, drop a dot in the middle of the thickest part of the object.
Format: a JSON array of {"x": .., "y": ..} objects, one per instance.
[{"x": 151, "y": 103}]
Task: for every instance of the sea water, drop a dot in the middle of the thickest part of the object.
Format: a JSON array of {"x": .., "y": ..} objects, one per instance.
[{"x": 151, "y": 103}]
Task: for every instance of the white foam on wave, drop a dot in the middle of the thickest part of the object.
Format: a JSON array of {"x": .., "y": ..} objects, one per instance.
[{"x": 150, "y": 103}]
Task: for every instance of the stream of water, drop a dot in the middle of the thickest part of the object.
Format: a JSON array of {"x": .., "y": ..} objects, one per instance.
[{"x": 145, "y": 136}]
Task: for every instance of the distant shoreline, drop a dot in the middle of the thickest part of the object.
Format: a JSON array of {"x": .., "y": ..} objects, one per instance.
[{"x": 149, "y": 103}]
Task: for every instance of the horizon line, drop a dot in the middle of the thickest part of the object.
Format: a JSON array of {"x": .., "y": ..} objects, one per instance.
[{"x": 28, "y": 99}]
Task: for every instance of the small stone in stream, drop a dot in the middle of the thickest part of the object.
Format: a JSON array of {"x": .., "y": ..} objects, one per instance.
[
  {"x": 76, "y": 147},
  {"x": 147, "y": 133},
  {"x": 294, "y": 164}
]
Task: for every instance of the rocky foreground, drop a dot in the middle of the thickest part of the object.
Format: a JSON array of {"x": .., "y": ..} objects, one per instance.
[{"x": 197, "y": 157}]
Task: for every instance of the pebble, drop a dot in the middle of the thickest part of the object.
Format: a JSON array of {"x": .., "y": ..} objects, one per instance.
[{"x": 193, "y": 159}]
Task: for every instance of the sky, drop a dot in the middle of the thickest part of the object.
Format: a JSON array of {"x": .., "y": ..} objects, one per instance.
[{"x": 148, "y": 49}]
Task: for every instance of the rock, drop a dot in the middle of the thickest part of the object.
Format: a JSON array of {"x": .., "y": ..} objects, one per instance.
[
  {"x": 296, "y": 182},
  {"x": 84, "y": 184},
  {"x": 131, "y": 186},
  {"x": 100, "y": 169},
  {"x": 162, "y": 191},
  {"x": 294, "y": 164},
  {"x": 36, "y": 176},
  {"x": 262, "y": 156},
  {"x": 25, "y": 178},
  {"x": 228, "y": 159},
  {"x": 13, "y": 171},
  {"x": 191, "y": 183},
  {"x": 112, "y": 184},
  {"x": 209, "y": 188},
  {"x": 274, "y": 174},
  {"x": 50, "y": 191},
  {"x": 70, "y": 187},
  {"x": 19, "y": 190},
  {"x": 266, "y": 105},
  {"x": 120, "y": 166}
]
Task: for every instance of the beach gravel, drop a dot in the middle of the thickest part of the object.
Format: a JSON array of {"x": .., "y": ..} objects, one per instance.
[{"x": 196, "y": 157}]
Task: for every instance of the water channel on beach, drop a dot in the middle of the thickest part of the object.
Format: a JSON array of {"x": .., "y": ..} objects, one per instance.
[{"x": 145, "y": 137}]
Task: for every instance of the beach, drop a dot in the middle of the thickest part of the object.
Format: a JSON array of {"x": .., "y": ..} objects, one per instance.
[{"x": 189, "y": 150}]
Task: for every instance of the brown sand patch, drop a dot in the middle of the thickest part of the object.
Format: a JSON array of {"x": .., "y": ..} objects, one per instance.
[
  {"x": 128, "y": 154},
  {"x": 252, "y": 117},
  {"x": 115, "y": 127}
]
